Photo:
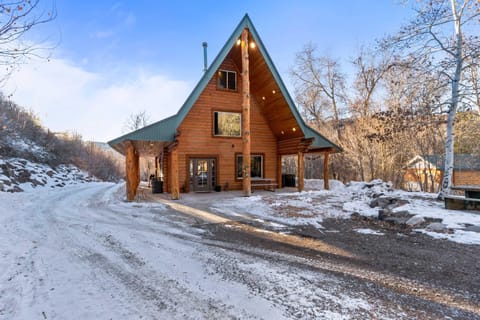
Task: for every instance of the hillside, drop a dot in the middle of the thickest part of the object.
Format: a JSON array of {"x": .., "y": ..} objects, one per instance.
[{"x": 31, "y": 155}]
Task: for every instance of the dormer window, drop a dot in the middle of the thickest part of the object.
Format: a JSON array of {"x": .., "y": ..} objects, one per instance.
[{"x": 227, "y": 80}]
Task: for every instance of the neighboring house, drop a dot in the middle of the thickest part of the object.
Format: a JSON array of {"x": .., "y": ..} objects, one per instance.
[
  {"x": 425, "y": 173},
  {"x": 239, "y": 109}
]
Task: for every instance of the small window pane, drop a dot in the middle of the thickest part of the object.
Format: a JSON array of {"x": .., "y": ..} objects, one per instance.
[
  {"x": 227, "y": 124},
  {"x": 227, "y": 80},
  {"x": 256, "y": 166},
  {"x": 232, "y": 80},
  {"x": 222, "y": 79}
]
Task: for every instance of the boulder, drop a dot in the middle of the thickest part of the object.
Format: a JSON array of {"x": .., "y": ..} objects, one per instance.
[
  {"x": 415, "y": 221},
  {"x": 402, "y": 214},
  {"x": 384, "y": 202},
  {"x": 384, "y": 213},
  {"x": 473, "y": 228},
  {"x": 437, "y": 227},
  {"x": 397, "y": 220}
]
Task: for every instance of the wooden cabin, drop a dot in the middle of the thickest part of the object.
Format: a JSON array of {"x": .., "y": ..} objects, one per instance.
[
  {"x": 231, "y": 132},
  {"x": 425, "y": 173}
]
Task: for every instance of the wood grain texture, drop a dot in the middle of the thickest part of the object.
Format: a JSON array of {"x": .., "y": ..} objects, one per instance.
[{"x": 247, "y": 189}]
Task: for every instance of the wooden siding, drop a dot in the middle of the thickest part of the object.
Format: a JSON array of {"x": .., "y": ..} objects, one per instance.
[
  {"x": 431, "y": 180},
  {"x": 196, "y": 134},
  {"x": 466, "y": 177}
]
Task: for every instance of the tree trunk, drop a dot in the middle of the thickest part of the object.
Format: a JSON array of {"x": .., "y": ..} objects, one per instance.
[
  {"x": 326, "y": 184},
  {"x": 175, "y": 182},
  {"x": 449, "y": 141},
  {"x": 301, "y": 171},
  {"x": 246, "y": 115},
  {"x": 131, "y": 168}
]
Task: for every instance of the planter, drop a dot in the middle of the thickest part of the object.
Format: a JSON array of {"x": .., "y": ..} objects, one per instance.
[{"x": 157, "y": 186}]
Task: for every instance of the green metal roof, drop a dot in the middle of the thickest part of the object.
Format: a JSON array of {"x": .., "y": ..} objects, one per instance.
[
  {"x": 164, "y": 130},
  {"x": 461, "y": 161},
  {"x": 320, "y": 142}
]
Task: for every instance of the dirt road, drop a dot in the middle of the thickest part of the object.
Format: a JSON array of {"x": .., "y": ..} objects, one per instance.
[{"x": 81, "y": 252}]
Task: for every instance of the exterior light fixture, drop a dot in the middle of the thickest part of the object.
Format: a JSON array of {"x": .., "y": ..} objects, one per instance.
[
  {"x": 273, "y": 91},
  {"x": 263, "y": 98},
  {"x": 252, "y": 45},
  {"x": 283, "y": 132},
  {"x": 294, "y": 129},
  {"x": 238, "y": 42}
]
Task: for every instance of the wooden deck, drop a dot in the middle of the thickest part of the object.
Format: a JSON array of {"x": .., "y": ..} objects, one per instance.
[{"x": 469, "y": 201}]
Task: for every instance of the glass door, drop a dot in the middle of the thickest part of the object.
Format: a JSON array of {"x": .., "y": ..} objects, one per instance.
[{"x": 202, "y": 174}]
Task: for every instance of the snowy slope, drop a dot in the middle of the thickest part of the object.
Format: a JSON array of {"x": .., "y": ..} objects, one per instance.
[{"x": 18, "y": 174}]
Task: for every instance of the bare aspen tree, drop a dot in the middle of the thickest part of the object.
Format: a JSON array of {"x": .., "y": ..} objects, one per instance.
[{"x": 438, "y": 35}]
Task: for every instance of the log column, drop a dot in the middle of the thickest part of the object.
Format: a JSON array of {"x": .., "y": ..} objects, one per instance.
[
  {"x": 301, "y": 171},
  {"x": 279, "y": 171},
  {"x": 132, "y": 171},
  {"x": 247, "y": 188},
  {"x": 174, "y": 178},
  {"x": 326, "y": 185}
]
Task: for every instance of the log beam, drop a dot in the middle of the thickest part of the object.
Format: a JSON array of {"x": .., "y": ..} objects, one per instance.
[
  {"x": 301, "y": 171},
  {"x": 174, "y": 178},
  {"x": 131, "y": 171},
  {"x": 279, "y": 171},
  {"x": 326, "y": 185},
  {"x": 247, "y": 191}
]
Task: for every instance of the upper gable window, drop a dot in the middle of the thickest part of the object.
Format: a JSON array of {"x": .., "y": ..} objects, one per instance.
[{"x": 227, "y": 80}]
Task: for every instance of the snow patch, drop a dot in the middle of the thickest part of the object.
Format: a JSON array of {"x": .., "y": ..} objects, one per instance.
[{"x": 369, "y": 231}]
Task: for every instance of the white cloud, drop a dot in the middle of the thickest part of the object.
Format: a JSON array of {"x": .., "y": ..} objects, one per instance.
[{"x": 96, "y": 105}]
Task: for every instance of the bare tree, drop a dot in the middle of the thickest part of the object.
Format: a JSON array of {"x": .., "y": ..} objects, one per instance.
[
  {"x": 319, "y": 86},
  {"x": 136, "y": 121},
  {"x": 370, "y": 70},
  {"x": 18, "y": 17},
  {"x": 428, "y": 38}
]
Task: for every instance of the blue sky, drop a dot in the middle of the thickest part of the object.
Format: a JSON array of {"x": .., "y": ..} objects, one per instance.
[{"x": 114, "y": 58}]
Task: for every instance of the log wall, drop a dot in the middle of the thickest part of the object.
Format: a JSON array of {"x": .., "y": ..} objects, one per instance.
[{"x": 196, "y": 134}]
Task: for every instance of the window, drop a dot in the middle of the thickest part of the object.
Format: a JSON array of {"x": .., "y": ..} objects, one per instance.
[
  {"x": 227, "y": 80},
  {"x": 256, "y": 166},
  {"x": 227, "y": 124}
]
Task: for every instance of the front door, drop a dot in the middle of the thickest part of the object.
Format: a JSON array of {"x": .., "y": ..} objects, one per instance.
[{"x": 202, "y": 174}]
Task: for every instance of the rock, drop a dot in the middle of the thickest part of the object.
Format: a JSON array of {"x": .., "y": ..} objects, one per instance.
[
  {"x": 384, "y": 213},
  {"x": 384, "y": 202},
  {"x": 402, "y": 214},
  {"x": 473, "y": 228},
  {"x": 23, "y": 176},
  {"x": 401, "y": 202},
  {"x": 15, "y": 189},
  {"x": 374, "y": 203},
  {"x": 415, "y": 221},
  {"x": 397, "y": 220},
  {"x": 437, "y": 227}
]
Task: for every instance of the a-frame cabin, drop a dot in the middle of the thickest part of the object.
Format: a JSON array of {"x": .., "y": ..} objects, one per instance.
[{"x": 239, "y": 110}]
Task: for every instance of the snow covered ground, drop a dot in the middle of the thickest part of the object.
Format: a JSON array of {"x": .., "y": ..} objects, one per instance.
[
  {"x": 81, "y": 252},
  {"x": 341, "y": 201},
  {"x": 17, "y": 174}
]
